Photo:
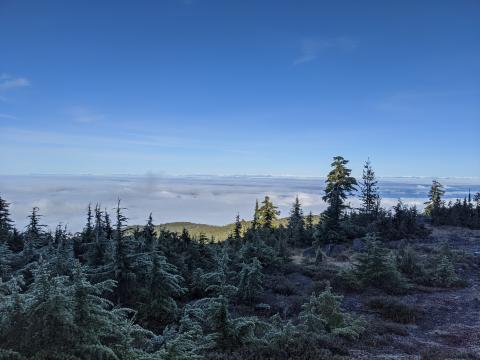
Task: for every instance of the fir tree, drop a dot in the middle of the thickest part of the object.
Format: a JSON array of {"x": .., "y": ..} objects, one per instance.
[
  {"x": 369, "y": 191},
  {"x": 108, "y": 226},
  {"x": 185, "y": 238},
  {"x": 267, "y": 214},
  {"x": 237, "y": 229},
  {"x": 434, "y": 199},
  {"x": 149, "y": 234},
  {"x": 34, "y": 234},
  {"x": 309, "y": 223},
  {"x": 218, "y": 280},
  {"x": 99, "y": 251},
  {"x": 339, "y": 185},
  {"x": 163, "y": 284},
  {"x": 6, "y": 258},
  {"x": 323, "y": 314},
  {"x": 5, "y": 222},
  {"x": 296, "y": 224},
  {"x": 227, "y": 332},
  {"x": 444, "y": 274},
  {"x": 377, "y": 268},
  {"x": 251, "y": 280},
  {"x": 256, "y": 217},
  {"x": 63, "y": 259},
  {"x": 87, "y": 238},
  {"x": 122, "y": 264}
]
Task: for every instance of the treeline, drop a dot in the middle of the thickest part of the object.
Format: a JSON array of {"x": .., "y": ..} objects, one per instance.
[
  {"x": 109, "y": 293},
  {"x": 464, "y": 213}
]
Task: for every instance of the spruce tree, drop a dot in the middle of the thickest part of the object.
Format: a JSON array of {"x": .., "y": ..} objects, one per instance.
[
  {"x": 217, "y": 281},
  {"x": 323, "y": 314},
  {"x": 163, "y": 285},
  {"x": 376, "y": 267},
  {"x": 251, "y": 281},
  {"x": 268, "y": 213},
  {"x": 369, "y": 191},
  {"x": 5, "y": 222},
  {"x": 149, "y": 234},
  {"x": 99, "y": 250},
  {"x": 63, "y": 260},
  {"x": 256, "y": 217},
  {"x": 6, "y": 258},
  {"x": 309, "y": 222},
  {"x": 237, "y": 229},
  {"x": 122, "y": 264},
  {"x": 34, "y": 234},
  {"x": 339, "y": 185},
  {"x": 296, "y": 224},
  {"x": 434, "y": 202},
  {"x": 83, "y": 242},
  {"x": 108, "y": 226}
]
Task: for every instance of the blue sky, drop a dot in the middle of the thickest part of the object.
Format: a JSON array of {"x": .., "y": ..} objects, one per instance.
[{"x": 239, "y": 87}]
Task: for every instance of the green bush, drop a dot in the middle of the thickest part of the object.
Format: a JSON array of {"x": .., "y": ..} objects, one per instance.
[{"x": 377, "y": 268}]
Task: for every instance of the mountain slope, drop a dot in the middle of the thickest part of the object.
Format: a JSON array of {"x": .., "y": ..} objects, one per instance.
[{"x": 218, "y": 232}]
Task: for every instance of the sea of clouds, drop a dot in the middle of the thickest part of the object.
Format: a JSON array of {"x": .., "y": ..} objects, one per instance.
[{"x": 203, "y": 199}]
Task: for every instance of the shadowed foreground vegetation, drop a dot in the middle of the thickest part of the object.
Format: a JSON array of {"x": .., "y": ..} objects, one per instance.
[{"x": 344, "y": 284}]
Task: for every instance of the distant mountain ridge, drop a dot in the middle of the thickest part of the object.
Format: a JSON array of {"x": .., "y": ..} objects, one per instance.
[{"x": 218, "y": 232}]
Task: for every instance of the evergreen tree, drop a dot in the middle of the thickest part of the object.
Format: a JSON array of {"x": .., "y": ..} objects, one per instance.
[
  {"x": 63, "y": 260},
  {"x": 369, "y": 191},
  {"x": 267, "y": 214},
  {"x": 251, "y": 280},
  {"x": 34, "y": 234},
  {"x": 163, "y": 284},
  {"x": 309, "y": 223},
  {"x": 5, "y": 222},
  {"x": 296, "y": 224},
  {"x": 108, "y": 226},
  {"x": 185, "y": 238},
  {"x": 434, "y": 199},
  {"x": 339, "y": 185},
  {"x": 49, "y": 326},
  {"x": 86, "y": 239},
  {"x": 6, "y": 258},
  {"x": 149, "y": 234},
  {"x": 15, "y": 241},
  {"x": 122, "y": 264},
  {"x": 227, "y": 332},
  {"x": 237, "y": 229},
  {"x": 323, "y": 314},
  {"x": 99, "y": 250},
  {"x": 377, "y": 268},
  {"x": 218, "y": 280},
  {"x": 256, "y": 217}
]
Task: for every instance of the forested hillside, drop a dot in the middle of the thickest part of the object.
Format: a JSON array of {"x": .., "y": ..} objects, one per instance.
[
  {"x": 347, "y": 283},
  {"x": 212, "y": 232}
]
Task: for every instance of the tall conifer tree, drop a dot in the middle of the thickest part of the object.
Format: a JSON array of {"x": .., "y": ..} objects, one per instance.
[{"x": 369, "y": 191}]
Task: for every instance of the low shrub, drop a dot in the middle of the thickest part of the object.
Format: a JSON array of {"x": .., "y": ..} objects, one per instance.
[{"x": 392, "y": 309}]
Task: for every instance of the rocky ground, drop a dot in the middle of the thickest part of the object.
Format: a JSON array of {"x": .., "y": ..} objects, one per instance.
[{"x": 448, "y": 321}]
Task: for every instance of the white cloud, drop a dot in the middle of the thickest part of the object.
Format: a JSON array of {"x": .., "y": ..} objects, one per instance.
[
  {"x": 8, "y": 82},
  {"x": 312, "y": 48},
  {"x": 203, "y": 199}
]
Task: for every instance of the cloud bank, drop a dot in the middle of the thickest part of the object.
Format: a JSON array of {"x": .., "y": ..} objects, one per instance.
[{"x": 203, "y": 199}]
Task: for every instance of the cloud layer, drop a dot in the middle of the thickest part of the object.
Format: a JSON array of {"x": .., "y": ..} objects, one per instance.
[{"x": 204, "y": 199}]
